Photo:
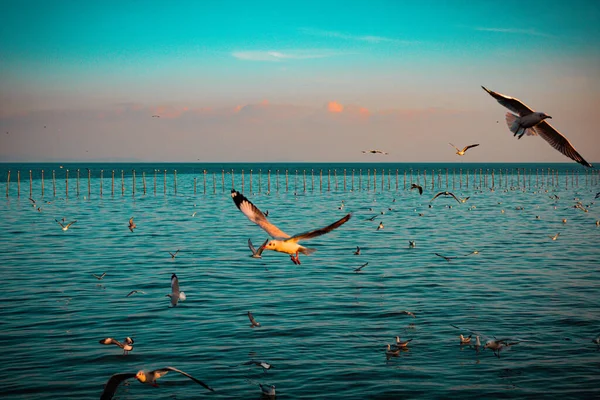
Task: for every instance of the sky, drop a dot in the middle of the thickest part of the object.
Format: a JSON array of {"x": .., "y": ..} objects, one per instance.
[{"x": 244, "y": 81}]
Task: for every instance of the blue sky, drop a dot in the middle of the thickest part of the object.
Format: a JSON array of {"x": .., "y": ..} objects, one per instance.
[{"x": 347, "y": 74}]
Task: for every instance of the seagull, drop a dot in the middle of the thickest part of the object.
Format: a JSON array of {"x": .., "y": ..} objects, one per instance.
[
  {"x": 174, "y": 254},
  {"x": 257, "y": 253},
  {"x": 444, "y": 257},
  {"x": 446, "y": 193},
  {"x": 282, "y": 242},
  {"x": 473, "y": 252},
  {"x": 132, "y": 224},
  {"x": 357, "y": 252},
  {"x": 175, "y": 294},
  {"x": 32, "y": 202},
  {"x": 462, "y": 152},
  {"x": 412, "y": 244},
  {"x": 134, "y": 292},
  {"x": 415, "y": 186},
  {"x": 372, "y": 218},
  {"x": 268, "y": 391},
  {"x": 375, "y": 152},
  {"x": 99, "y": 277},
  {"x": 554, "y": 237},
  {"x": 150, "y": 377},
  {"x": 391, "y": 353},
  {"x": 410, "y": 314},
  {"x": 465, "y": 199},
  {"x": 253, "y": 322},
  {"x": 596, "y": 340},
  {"x": 533, "y": 123},
  {"x": 380, "y": 225},
  {"x": 361, "y": 267},
  {"x": 465, "y": 340},
  {"x": 65, "y": 227},
  {"x": 597, "y": 195},
  {"x": 402, "y": 344},
  {"x": 127, "y": 346},
  {"x": 264, "y": 365}
]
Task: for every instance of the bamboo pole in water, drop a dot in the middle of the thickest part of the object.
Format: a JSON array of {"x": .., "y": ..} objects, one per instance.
[
  {"x": 493, "y": 179},
  {"x": 259, "y": 180},
  {"x": 112, "y": 185},
  {"x": 286, "y": 180},
  {"x": 77, "y": 186},
  {"x": 232, "y": 179},
  {"x": 204, "y": 182},
  {"x": 296, "y": 181},
  {"x": 122, "y": 183},
  {"x": 7, "y": 182},
  {"x": 312, "y": 178},
  {"x": 243, "y": 181},
  {"x": 446, "y": 178},
  {"x": 321, "y": 181},
  {"x": 269, "y": 181},
  {"x": 165, "y": 182},
  {"x": 328, "y": 180},
  {"x": 424, "y": 177},
  {"x": 214, "y": 183},
  {"x": 404, "y": 179},
  {"x": 144, "y": 182},
  {"x": 368, "y": 179},
  {"x": 54, "y": 183},
  {"x": 194, "y": 186},
  {"x": 277, "y": 180},
  {"x": 89, "y": 182},
  {"x": 18, "y": 183},
  {"x": 101, "y": 181},
  {"x": 30, "y": 185},
  {"x": 396, "y": 179},
  {"x": 222, "y": 180},
  {"x": 360, "y": 179},
  {"x": 175, "y": 181},
  {"x": 485, "y": 178},
  {"x": 42, "y": 183},
  {"x": 133, "y": 182},
  {"x": 374, "y": 180},
  {"x": 251, "y": 178},
  {"x": 155, "y": 172},
  {"x": 344, "y": 179},
  {"x": 352, "y": 180}
]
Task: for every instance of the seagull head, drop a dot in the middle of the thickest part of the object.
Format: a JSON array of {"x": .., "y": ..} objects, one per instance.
[
  {"x": 128, "y": 340},
  {"x": 543, "y": 116},
  {"x": 141, "y": 376}
]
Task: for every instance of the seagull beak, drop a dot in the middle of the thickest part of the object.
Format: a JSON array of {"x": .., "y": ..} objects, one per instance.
[{"x": 548, "y": 116}]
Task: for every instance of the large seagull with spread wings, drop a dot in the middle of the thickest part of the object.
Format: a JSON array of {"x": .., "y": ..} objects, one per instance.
[
  {"x": 281, "y": 241},
  {"x": 526, "y": 121}
]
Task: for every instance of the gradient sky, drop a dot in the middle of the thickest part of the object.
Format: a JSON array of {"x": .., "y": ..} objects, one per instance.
[{"x": 306, "y": 81}]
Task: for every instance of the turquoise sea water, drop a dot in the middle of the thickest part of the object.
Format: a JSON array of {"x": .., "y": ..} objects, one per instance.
[{"x": 324, "y": 327}]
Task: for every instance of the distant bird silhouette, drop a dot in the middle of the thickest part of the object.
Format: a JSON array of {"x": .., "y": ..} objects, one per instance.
[
  {"x": 257, "y": 253},
  {"x": 415, "y": 186},
  {"x": 357, "y": 252},
  {"x": 134, "y": 292},
  {"x": 99, "y": 277},
  {"x": 380, "y": 226},
  {"x": 462, "y": 152},
  {"x": 132, "y": 224},
  {"x": 174, "y": 254},
  {"x": 253, "y": 322},
  {"x": 127, "y": 344},
  {"x": 361, "y": 267},
  {"x": 446, "y": 193},
  {"x": 375, "y": 152},
  {"x": 65, "y": 227},
  {"x": 444, "y": 257}
]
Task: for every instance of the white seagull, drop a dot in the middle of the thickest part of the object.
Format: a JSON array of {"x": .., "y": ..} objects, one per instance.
[
  {"x": 530, "y": 122},
  {"x": 65, "y": 227},
  {"x": 282, "y": 242},
  {"x": 493, "y": 343},
  {"x": 175, "y": 294},
  {"x": 127, "y": 344}
]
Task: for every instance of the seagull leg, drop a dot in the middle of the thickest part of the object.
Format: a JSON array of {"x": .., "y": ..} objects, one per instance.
[{"x": 297, "y": 259}]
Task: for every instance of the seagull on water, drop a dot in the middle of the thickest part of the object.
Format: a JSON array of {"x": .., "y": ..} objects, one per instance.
[
  {"x": 409, "y": 313},
  {"x": 400, "y": 344},
  {"x": 465, "y": 340},
  {"x": 127, "y": 344},
  {"x": 175, "y": 294},
  {"x": 253, "y": 322},
  {"x": 65, "y": 227},
  {"x": 462, "y": 152},
  {"x": 257, "y": 253},
  {"x": 281, "y": 242},
  {"x": 527, "y": 121},
  {"x": 361, "y": 267},
  {"x": 147, "y": 377},
  {"x": 392, "y": 353},
  {"x": 492, "y": 343},
  {"x": 446, "y": 193},
  {"x": 415, "y": 186},
  {"x": 268, "y": 391},
  {"x": 99, "y": 277}
]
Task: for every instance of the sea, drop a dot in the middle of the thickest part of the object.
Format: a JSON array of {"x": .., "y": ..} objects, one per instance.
[{"x": 325, "y": 323}]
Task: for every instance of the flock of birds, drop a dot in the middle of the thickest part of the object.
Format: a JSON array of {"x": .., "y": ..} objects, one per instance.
[{"x": 524, "y": 122}]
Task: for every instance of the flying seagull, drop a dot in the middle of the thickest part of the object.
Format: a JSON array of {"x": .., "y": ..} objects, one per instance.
[
  {"x": 175, "y": 294},
  {"x": 357, "y": 252},
  {"x": 444, "y": 257},
  {"x": 174, "y": 254},
  {"x": 147, "y": 377},
  {"x": 65, "y": 227},
  {"x": 127, "y": 344},
  {"x": 415, "y": 186},
  {"x": 445, "y": 194},
  {"x": 132, "y": 225},
  {"x": 375, "y": 152},
  {"x": 462, "y": 152},
  {"x": 361, "y": 267},
  {"x": 527, "y": 121},
  {"x": 264, "y": 365},
  {"x": 253, "y": 322},
  {"x": 134, "y": 292},
  {"x": 282, "y": 242},
  {"x": 257, "y": 253},
  {"x": 99, "y": 277}
]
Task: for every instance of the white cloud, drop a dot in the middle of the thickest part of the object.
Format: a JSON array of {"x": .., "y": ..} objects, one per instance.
[
  {"x": 531, "y": 32},
  {"x": 347, "y": 36},
  {"x": 276, "y": 56}
]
